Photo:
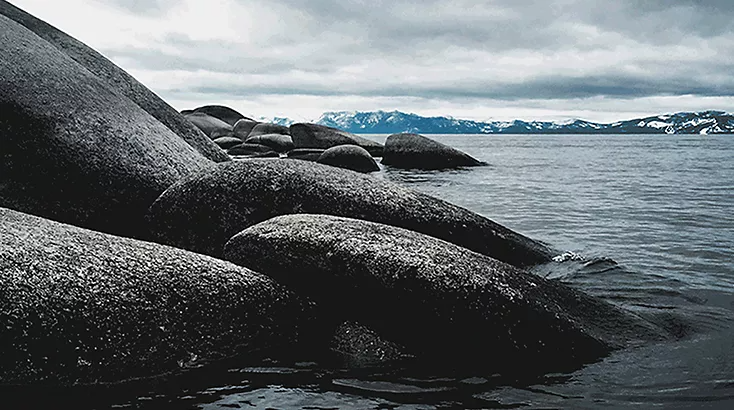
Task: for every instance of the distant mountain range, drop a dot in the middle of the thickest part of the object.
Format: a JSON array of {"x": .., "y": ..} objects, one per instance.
[{"x": 382, "y": 122}]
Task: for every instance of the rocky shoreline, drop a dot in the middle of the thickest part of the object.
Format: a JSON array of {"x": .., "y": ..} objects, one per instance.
[{"x": 132, "y": 245}]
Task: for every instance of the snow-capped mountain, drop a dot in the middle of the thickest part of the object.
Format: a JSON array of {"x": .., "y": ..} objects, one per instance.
[
  {"x": 284, "y": 121},
  {"x": 382, "y": 122}
]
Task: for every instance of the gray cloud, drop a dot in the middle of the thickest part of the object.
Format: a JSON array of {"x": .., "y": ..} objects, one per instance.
[
  {"x": 144, "y": 7},
  {"x": 503, "y": 50}
]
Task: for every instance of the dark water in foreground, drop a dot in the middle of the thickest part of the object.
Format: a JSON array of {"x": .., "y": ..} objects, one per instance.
[{"x": 653, "y": 217}]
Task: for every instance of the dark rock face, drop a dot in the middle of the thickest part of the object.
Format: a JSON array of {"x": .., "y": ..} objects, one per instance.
[
  {"x": 223, "y": 113},
  {"x": 116, "y": 79},
  {"x": 227, "y": 142},
  {"x": 243, "y": 127},
  {"x": 434, "y": 297},
  {"x": 278, "y": 142},
  {"x": 264, "y": 128},
  {"x": 305, "y": 154},
  {"x": 351, "y": 157},
  {"x": 417, "y": 151},
  {"x": 203, "y": 211},
  {"x": 78, "y": 306},
  {"x": 360, "y": 346},
  {"x": 74, "y": 149},
  {"x": 211, "y": 126},
  {"x": 248, "y": 149},
  {"x": 319, "y": 136}
]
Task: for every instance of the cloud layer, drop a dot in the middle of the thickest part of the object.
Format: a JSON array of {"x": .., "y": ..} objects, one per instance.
[{"x": 474, "y": 59}]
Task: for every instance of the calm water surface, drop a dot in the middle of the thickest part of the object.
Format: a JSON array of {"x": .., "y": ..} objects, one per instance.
[{"x": 651, "y": 215}]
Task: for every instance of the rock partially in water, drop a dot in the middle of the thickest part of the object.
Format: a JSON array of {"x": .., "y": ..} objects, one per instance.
[
  {"x": 248, "y": 149},
  {"x": 117, "y": 80},
  {"x": 360, "y": 346},
  {"x": 223, "y": 113},
  {"x": 211, "y": 126},
  {"x": 320, "y": 136},
  {"x": 264, "y": 128},
  {"x": 203, "y": 211},
  {"x": 278, "y": 142},
  {"x": 439, "y": 300},
  {"x": 73, "y": 148},
  {"x": 351, "y": 157},
  {"x": 80, "y": 307},
  {"x": 419, "y": 152},
  {"x": 227, "y": 142},
  {"x": 305, "y": 154},
  {"x": 243, "y": 127}
]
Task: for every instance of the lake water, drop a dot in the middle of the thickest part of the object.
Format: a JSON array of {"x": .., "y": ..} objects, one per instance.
[{"x": 652, "y": 215}]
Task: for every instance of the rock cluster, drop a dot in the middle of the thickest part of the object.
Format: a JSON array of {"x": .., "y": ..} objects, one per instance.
[{"x": 91, "y": 162}]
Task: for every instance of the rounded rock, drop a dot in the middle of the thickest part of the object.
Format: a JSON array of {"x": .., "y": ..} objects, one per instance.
[
  {"x": 419, "y": 152},
  {"x": 351, "y": 157},
  {"x": 320, "y": 136},
  {"x": 233, "y": 196}
]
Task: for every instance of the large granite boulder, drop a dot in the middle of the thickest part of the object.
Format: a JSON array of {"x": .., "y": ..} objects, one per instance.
[
  {"x": 116, "y": 79},
  {"x": 278, "y": 142},
  {"x": 416, "y": 151},
  {"x": 243, "y": 127},
  {"x": 351, "y": 157},
  {"x": 227, "y": 142},
  {"x": 265, "y": 128},
  {"x": 223, "y": 113},
  {"x": 248, "y": 149},
  {"x": 440, "y": 300},
  {"x": 320, "y": 136},
  {"x": 305, "y": 154},
  {"x": 78, "y": 306},
  {"x": 203, "y": 211},
  {"x": 213, "y": 127},
  {"x": 73, "y": 148}
]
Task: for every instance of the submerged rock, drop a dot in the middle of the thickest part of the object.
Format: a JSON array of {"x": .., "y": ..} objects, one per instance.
[
  {"x": 223, "y": 113},
  {"x": 264, "y": 128},
  {"x": 80, "y": 307},
  {"x": 116, "y": 79},
  {"x": 211, "y": 126},
  {"x": 203, "y": 211},
  {"x": 278, "y": 142},
  {"x": 439, "y": 300},
  {"x": 417, "y": 151},
  {"x": 73, "y": 148},
  {"x": 351, "y": 157},
  {"x": 320, "y": 136}
]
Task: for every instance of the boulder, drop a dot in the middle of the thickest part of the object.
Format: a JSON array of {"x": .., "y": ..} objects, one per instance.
[
  {"x": 359, "y": 346},
  {"x": 416, "y": 151},
  {"x": 320, "y": 136},
  {"x": 203, "y": 211},
  {"x": 248, "y": 149},
  {"x": 223, "y": 113},
  {"x": 227, "y": 142},
  {"x": 439, "y": 300},
  {"x": 211, "y": 126},
  {"x": 305, "y": 154},
  {"x": 79, "y": 307},
  {"x": 264, "y": 128},
  {"x": 116, "y": 79},
  {"x": 73, "y": 148},
  {"x": 277, "y": 142},
  {"x": 351, "y": 157},
  {"x": 243, "y": 127}
]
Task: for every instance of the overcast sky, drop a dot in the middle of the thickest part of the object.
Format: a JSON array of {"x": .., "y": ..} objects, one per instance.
[{"x": 492, "y": 59}]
